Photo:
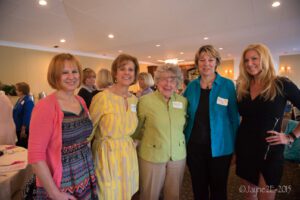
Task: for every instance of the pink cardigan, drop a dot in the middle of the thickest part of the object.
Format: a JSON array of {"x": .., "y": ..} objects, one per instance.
[{"x": 45, "y": 138}]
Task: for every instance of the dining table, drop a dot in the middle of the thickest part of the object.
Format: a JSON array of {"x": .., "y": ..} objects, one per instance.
[{"x": 14, "y": 171}]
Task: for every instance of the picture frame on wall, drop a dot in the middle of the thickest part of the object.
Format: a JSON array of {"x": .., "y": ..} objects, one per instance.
[{"x": 192, "y": 73}]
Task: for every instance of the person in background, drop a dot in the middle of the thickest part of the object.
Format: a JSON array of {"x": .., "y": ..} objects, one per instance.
[
  {"x": 183, "y": 86},
  {"x": 114, "y": 117},
  {"x": 104, "y": 79},
  {"x": 262, "y": 98},
  {"x": 7, "y": 126},
  {"x": 22, "y": 113},
  {"x": 58, "y": 148},
  {"x": 295, "y": 113},
  {"x": 162, "y": 150},
  {"x": 211, "y": 128},
  {"x": 88, "y": 89},
  {"x": 145, "y": 82}
]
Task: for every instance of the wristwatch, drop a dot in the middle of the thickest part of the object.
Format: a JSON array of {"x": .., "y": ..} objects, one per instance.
[{"x": 292, "y": 134}]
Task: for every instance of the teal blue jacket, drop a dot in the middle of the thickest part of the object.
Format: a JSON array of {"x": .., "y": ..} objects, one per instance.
[{"x": 223, "y": 113}]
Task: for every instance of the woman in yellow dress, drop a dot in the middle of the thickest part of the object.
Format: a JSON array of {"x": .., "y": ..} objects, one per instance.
[{"x": 113, "y": 113}]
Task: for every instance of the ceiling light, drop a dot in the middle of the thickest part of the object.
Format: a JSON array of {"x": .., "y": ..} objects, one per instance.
[
  {"x": 42, "y": 2},
  {"x": 205, "y": 38},
  {"x": 111, "y": 36},
  {"x": 149, "y": 56},
  {"x": 220, "y": 48},
  {"x": 172, "y": 61},
  {"x": 181, "y": 53},
  {"x": 62, "y": 40},
  {"x": 120, "y": 51},
  {"x": 158, "y": 45},
  {"x": 275, "y": 4}
]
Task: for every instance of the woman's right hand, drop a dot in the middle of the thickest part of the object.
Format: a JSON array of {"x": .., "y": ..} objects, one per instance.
[{"x": 62, "y": 196}]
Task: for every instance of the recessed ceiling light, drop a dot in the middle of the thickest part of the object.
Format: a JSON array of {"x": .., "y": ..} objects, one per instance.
[
  {"x": 158, "y": 45},
  {"x": 62, "y": 40},
  {"x": 120, "y": 51},
  {"x": 205, "y": 38},
  {"x": 181, "y": 53},
  {"x": 42, "y": 2},
  {"x": 149, "y": 56},
  {"x": 275, "y": 4},
  {"x": 220, "y": 48},
  {"x": 111, "y": 36}
]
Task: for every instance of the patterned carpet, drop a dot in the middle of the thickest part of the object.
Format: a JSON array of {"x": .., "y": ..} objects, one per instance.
[{"x": 290, "y": 179}]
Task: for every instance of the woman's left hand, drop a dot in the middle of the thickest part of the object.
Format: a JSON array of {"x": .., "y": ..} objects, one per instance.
[{"x": 277, "y": 138}]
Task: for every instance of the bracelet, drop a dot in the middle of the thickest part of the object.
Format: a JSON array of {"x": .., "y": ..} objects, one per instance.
[{"x": 292, "y": 134}]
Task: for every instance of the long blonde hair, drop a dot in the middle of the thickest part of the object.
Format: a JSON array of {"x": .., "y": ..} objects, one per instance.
[{"x": 270, "y": 82}]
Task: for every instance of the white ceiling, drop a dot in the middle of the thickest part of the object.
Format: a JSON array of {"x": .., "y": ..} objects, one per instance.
[{"x": 138, "y": 25}]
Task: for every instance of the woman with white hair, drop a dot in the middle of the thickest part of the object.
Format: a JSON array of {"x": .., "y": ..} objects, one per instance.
[
  {"x": 145, "y": 82},
  {"x": 162, "y": 149}
]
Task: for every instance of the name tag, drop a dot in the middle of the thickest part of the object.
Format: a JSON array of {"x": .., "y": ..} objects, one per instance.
[
  {"x": 22, "y": 102},
  {"x": 133, "y": 107},
  {"x": 222, "y": 101},
  {"x": 177, "y": 104}
]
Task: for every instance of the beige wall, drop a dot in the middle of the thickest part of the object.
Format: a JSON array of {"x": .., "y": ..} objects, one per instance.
[
  {"x": 290, "y": 67},
  {"x": 19, "y": 64}
]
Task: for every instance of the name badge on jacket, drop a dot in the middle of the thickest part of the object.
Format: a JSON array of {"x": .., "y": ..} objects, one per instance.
[
  {"x": 177, "y": 104},
  {"x": 222, "y": 101},
  {"x": 133, "y": 107}
]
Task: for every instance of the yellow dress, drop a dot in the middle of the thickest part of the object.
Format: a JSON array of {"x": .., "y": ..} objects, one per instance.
[{"x": 114, "y": 153}]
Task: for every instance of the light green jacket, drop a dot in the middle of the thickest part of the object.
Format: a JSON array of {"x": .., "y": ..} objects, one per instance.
[{"x": 160, "y": 128}]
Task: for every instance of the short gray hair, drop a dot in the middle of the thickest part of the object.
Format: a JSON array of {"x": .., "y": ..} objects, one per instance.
[
  {"x": 148, "y": 80},
  {"x": 174, "y": 69}
]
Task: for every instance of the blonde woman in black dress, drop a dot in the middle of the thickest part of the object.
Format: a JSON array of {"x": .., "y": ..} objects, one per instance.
[{"x": 262, "y": 97}]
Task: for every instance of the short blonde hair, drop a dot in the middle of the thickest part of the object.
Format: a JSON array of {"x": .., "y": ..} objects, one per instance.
[
  {"x": 174, "y": 69},
  {"x": 211, "y": 51},
  {"x": 147, "y": 77},
  {"x": 121, "y": 60},
  {"x": 268, "y": 78},
  {"x": 56, "y": 67},
  {"x": 104, "y": 78},
  {"x": 87, "y": 73}
]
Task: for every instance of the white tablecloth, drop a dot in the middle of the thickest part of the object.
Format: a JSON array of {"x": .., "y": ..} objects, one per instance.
[{"x": 13, "y": 171}]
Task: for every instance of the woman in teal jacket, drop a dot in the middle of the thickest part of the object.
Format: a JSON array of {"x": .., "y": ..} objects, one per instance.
[{"x": 211, "y": 127}]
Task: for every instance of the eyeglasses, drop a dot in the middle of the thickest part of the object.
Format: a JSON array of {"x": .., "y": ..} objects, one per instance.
[
  {"x": 172, "y": 79},
  {"x": 268, "y": 148}
]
